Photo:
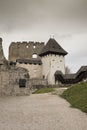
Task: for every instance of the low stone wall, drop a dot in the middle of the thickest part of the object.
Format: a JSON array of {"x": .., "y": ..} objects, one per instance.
[
  {"x": 9, "y": 82},
  {"x": 38, "y": 83}
]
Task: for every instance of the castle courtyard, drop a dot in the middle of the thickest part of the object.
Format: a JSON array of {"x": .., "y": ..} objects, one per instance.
[{"x": 39, "y": 112}]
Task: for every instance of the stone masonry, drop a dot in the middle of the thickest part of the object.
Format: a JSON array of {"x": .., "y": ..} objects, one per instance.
[
  {"x": 41, "y": 61},
  {"x": 24, "y": 50},
  {"x": 13, "y": 80}
]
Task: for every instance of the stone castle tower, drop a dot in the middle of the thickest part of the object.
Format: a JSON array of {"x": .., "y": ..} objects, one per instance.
[
  {"x": 53, "y": 59},
  {"x": 41, "y": 61}
]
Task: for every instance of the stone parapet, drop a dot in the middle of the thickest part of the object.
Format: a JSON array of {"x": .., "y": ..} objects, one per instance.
[
  {"x": 38, "y": 83},
  {"x": 24, "y": 50}
]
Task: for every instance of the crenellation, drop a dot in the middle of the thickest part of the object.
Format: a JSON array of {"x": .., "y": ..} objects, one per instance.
[
  {"x": 27, "y": 43},
  {"x": 24, "y": 42},
  {"x": 24, "y": 49}
]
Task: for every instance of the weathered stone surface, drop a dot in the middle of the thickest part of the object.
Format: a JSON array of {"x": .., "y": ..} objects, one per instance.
[
  {"x": 9, "y": 82},
  {"x": 35, "y": 70},
  {"x": 10, "y": 76},
  {"x": 24, "y": 50},
  {"x": 38, "y": 83}
]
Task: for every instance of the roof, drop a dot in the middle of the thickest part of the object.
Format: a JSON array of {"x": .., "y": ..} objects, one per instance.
[
  {"x": 72, "y": 78},
  {"x": 82, "y": 69},
  {"x": 52, "y": 47},
  {"x": 69, "y": 76},
  {"x": 29, "y": 61},
  {"x": 65, "y": 76}
]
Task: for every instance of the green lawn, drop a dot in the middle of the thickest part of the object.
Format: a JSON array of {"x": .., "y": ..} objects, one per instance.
[
  {"x": 44, "y": 90},
  {"x": 77, "y": 96}
]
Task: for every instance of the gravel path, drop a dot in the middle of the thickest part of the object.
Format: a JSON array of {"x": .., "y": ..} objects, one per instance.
[{"x": 40, "y": 112}]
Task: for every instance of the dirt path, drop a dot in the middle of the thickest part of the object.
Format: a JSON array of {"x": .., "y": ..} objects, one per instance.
[{"x": 40, "y": 112}]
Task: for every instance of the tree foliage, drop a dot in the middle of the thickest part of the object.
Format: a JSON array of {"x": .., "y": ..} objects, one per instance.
[{"x": 67, "y": 70}]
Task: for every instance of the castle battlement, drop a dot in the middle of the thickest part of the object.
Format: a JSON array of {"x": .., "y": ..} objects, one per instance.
[
  {"x": 24, "y": 50},
  {"x": 25, "y": 42}
]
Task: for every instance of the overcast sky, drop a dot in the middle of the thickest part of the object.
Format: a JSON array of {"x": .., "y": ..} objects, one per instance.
[{"x": 36, "y": 20}]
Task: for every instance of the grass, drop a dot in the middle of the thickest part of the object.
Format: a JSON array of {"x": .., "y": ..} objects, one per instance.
[
  {"x": 44, "y": 90},
  {"x": 77, "y": 96}
]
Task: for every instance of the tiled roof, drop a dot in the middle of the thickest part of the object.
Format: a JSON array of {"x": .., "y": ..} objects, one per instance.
[
  {"x": 52, "y": 47},
  {"x": 72, "y": 78}
]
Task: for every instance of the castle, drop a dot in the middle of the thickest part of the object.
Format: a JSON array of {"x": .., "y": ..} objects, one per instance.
[
  {"x": 41, "y": 61},
  {"x": 33, "y": 65}
]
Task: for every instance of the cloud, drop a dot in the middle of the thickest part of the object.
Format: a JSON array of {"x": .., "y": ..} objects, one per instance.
[
  {"x": 77, "y": 51},
  {"x": 24, "y": 14},
  {"x": 38, "y": 19}
]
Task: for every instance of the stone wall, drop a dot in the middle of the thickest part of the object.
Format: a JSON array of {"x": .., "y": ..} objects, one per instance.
[
  {"x": 9, "y": 81},
  {"x": 13, "y": 80},
  {"x": 51, "y": 63},
  {"x": 24, "y": 50},
  {"x": 35, "y": 70},
  {"x": 38, "y": 83}
]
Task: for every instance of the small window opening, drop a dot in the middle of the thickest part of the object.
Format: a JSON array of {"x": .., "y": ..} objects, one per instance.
[
  {"x": 22, "y": 83},
  {"x": 26, "y": 63},
  {"x": 27, "y": 46},
  {"x": 34, "y": 46},
  {"x": 34, "y": 56},
  {"x": 43, "y": 76},
  {"x": 20, "y": 62}
]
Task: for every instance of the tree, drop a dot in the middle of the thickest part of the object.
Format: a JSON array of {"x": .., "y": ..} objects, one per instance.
[{"x": 67, "y": 70}]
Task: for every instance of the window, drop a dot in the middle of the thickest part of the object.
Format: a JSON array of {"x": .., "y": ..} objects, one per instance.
[
  {"x": 20, "y": 62},
  {"x": 22, "y": 83},
  {"x": 34, "y": 46},
  {"x": 34, "y": 56},
  {"x": 43, "y": 76},
  {"x": 27, "y": 46}
]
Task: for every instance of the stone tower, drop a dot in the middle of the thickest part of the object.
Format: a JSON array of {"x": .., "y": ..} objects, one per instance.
[
  {"x": 24, "y": 50},
  {"x": 53, "y": 59}
]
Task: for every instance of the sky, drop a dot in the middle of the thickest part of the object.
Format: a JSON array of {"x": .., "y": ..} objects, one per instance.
[{"x": 38, "y": 20}]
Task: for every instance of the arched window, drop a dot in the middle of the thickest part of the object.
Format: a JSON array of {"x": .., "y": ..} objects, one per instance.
[
  {"x": 34, "y": 56},
  {"x": 34, "y": 46},
  {"x": 27, "y": 46}
]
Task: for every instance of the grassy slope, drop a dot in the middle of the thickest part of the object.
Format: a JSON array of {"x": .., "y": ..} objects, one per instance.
[
  {"x": 77, "y": 96},
  {"x": 44, "y": 90}
]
